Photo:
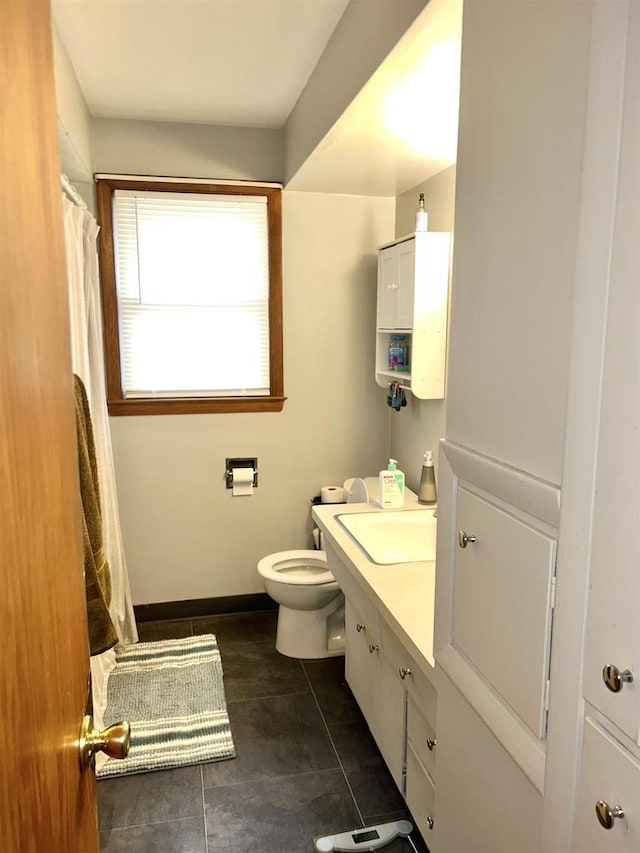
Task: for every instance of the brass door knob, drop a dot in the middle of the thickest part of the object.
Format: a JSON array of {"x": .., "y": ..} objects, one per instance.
[
  {"x": 614, "y": 679},
  {"x": 114, "y": 741},
  {"x": 607, "y": 815}
]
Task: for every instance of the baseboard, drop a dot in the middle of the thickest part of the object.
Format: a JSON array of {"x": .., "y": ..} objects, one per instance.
[{"x": 198, "y": 607}]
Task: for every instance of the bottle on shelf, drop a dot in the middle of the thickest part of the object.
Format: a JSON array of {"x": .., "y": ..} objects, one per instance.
[
  {"x": 398, "y": 354},
  {"x": 421, "y": 215}
]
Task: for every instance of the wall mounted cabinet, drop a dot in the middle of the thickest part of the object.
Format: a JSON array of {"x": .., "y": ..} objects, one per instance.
[{"x": 413, "y": 297}]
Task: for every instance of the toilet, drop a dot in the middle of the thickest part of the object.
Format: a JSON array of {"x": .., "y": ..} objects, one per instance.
[{"x": 311, "y": 612}]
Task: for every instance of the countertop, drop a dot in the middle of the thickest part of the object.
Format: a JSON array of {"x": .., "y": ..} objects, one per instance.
[{"x": 403, "y": 593}]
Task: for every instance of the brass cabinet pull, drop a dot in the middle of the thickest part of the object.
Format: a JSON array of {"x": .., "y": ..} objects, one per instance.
[
  {"x": 360, "y": 627},
  {"x": 404, "y": 672},
  {"x": 607, "y": 815},
  {"x": 614, "y": 679},
  {"x": 465, "y": 538},
  {"x": 431, "y": 744},
  {"x": 373, "y": 648},
  {"x": 429, "y": 821}
]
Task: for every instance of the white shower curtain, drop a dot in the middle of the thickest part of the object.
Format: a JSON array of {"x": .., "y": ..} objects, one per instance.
[{"x": 80, "y": 231}]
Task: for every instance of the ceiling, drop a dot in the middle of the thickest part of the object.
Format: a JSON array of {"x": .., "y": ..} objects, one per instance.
[
  {"x": 230, "y": 62},
  {"x": 245, "y": 62}
]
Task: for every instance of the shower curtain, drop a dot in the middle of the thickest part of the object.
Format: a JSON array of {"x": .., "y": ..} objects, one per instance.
[{"x": 80, "y": 233}]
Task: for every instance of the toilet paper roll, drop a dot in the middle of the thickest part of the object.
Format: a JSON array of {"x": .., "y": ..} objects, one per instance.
[
  {"x": 241, "y": 481},
  {"x": 332, "y": 495}
]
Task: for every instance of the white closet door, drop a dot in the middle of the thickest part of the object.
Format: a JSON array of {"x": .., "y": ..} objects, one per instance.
[{"x": 614, "y": 602}]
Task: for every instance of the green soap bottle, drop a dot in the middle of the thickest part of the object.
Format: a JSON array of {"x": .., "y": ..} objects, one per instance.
[{"x": 391, "y": 483}]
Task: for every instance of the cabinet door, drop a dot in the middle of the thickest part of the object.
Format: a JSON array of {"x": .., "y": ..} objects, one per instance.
[
  {"x": 377, "y": 689},
  {"x": 502, "y": 605},
  {"x": 610, "y": 774},
  {"x": 388, "y": 286},
  {"x": 420, "y": 795},
  {"x": 406, "y": 254}
]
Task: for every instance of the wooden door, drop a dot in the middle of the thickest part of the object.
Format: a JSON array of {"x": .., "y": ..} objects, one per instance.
[{"x": 46, "y": 804}]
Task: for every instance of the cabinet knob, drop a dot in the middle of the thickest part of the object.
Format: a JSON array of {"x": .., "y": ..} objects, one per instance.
[
  {"x": 614, "y": 679},
  {"x": 392, "y": 286},
  {"x": 431, "y": 744},
  {"x": 607, "y": 815},
  {"x": 360, "y": 628},
  {"x": 464, "y": 539},
  {"x": 429, "y": 821},
  {"x": 372, "y": 648},
  {"x": 404, "y": 672}
]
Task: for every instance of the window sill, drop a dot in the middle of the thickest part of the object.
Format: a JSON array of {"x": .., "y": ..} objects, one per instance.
[{"x": 195, "y": 406}]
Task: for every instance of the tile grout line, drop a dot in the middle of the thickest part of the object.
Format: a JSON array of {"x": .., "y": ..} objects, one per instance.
[
  {"x": 267, "y": 779},
  {"x": 324, "y": 722},
  {"x": 128, "y": 826},
  {"x": 204, "y": 811},
  {"x": 270, "y": 696}
]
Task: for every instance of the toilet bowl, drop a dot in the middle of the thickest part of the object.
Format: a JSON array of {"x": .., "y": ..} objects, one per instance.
[{"x": 311, "y": 612}]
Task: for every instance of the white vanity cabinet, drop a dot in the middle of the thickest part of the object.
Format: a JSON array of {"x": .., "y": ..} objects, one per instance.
[
  {"x": 388, "y": 664},
  {"x": 375, "y": 685},
  {"x": 413, "y": 288}
]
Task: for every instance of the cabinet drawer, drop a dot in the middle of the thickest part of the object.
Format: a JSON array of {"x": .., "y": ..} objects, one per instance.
[
  {"x": 420, "y": 795},
  {"x": 502, "y": 604},
  {"x": 365, "y": 619},
  {"x": 421, "y": 737},
  {"x": 609, "y": 773},
  {"x": 415, "y": 681}
]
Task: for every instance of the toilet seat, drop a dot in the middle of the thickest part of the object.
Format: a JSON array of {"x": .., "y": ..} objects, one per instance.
[{"x": 299, "y": 568}]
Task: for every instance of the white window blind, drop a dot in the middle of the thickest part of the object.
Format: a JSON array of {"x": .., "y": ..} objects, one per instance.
[{"x": 192, "y": 274}]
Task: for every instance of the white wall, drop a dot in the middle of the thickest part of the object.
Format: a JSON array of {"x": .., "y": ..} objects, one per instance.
[
  {"x": 74, "y": 133},
  {"x": 187, "y": 150},
  {"x": 364, "y": 36},
  {"x": 523, "y": 85},
  {"x": 185, "y": 536},
  {"x": 420, "y": 425}
]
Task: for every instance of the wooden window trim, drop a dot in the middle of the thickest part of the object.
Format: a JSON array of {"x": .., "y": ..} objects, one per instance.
[{"x": 116, "y": 401}]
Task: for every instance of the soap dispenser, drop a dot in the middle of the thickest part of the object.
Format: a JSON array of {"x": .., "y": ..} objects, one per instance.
[
  {"x": 427, "y": 493},
  {"x": 391, "y": 487}
]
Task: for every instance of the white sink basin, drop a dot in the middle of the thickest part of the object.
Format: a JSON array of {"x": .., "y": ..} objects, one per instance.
[{"x": 393, "y": 537}]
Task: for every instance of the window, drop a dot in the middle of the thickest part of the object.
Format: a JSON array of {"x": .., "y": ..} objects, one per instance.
[{"x": 191, "y": 277}]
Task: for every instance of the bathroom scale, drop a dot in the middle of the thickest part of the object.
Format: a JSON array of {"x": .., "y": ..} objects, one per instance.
[{"x": 367, "y": 838}]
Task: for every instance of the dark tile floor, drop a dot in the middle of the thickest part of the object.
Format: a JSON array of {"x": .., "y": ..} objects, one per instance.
[{"x": 306, "y": 763}]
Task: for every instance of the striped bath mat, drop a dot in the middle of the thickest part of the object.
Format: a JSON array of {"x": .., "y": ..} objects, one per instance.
[{"x": 172, "y": 694}]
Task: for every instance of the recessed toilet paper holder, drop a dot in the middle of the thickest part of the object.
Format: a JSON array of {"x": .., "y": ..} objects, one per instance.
[{"x": 240, "y": 462}]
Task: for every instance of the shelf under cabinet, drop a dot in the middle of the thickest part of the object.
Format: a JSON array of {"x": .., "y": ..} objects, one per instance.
[{"x": 395, "y": 376}]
